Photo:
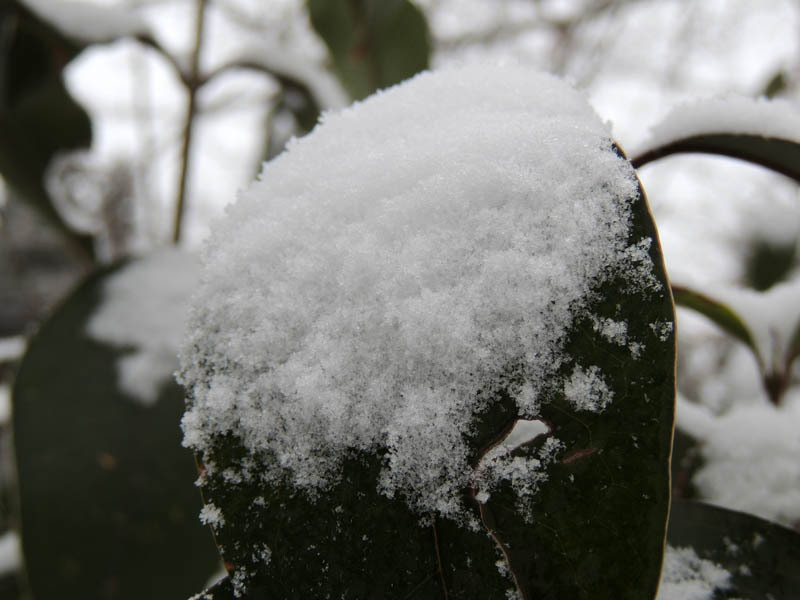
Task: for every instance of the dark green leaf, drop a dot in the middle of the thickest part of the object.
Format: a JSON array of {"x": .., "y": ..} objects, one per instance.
[
  {"x": 777, "y": 84},
  {"x": 780, "y": 155},
  {"x": 373, "y": 43},
  {"x": 108, "y": 505},
  {"x": 719, "y": 313},
  {"x": 768, "y": 262},
  {"x": 761, "y": 556},
  {"x": 597, "y": 526},
  {"x": 38, "y": 117}
]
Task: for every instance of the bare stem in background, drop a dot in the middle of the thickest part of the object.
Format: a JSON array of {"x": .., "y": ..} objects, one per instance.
[{"x": 192, "y": 85}]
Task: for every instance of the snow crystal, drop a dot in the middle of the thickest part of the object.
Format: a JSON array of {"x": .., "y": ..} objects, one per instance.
[
  {"x": 733, "y": 114},
  {"x": 143, "y": 306},
  {"x": 686, "y": 576},
  {"x": 586, "y": 389},
  {"x": 395, "y": 269},
  {"x": 212, "y": 515}
]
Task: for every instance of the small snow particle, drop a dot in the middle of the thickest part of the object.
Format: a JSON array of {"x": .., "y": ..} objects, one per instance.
[
  {"x": 212, "y": 515},
  {"x": 586, "y": 390}
]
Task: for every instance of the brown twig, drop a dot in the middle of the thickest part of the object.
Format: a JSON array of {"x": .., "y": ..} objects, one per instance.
[{"x": 192, "y": 86}]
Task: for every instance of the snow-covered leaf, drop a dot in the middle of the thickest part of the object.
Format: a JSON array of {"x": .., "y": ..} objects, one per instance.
[
  {"x": 108, "y": 506},
  {"x": 444, "y": 362},
  {"x": 760, "y": 557},
  {"x": 373, "y": 43}
]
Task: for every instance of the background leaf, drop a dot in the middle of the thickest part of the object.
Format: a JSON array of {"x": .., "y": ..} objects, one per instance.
[
  {"x": 108, "y": 506},
  {"x": 761, "y": 556},
  {"x": 598, "y": 523},
  {"x": 373, "y": 43},
  {"x": 780, "y": 155},
  {"x": 38, "y": 117},
  {"x": 719, "y": 313}
]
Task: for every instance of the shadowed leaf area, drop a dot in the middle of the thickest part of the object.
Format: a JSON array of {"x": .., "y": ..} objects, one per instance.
[
  {"x": 595, "y": 528},
  {"x": 761, "y": 556},
  {"x": 108, "y": 506}
]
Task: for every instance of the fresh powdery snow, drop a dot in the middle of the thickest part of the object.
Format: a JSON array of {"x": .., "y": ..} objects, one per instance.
[
  {"x": 374, "y": 287},
  {"x": 143, "y": 308},
  {"x": 730, "y": 115}
]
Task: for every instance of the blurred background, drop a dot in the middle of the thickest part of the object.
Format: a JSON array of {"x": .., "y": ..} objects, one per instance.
[{"x": 127, "y": 126}]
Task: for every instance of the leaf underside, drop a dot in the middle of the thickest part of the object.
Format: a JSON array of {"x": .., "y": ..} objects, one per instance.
[
  {"x": 108, "y": 505},
  {"x": 598, "y": 523}
]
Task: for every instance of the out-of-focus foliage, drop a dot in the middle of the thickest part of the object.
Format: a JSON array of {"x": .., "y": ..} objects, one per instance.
[
  {"x": 373, "y": 43},
  {"x": 38, "y": 116}
]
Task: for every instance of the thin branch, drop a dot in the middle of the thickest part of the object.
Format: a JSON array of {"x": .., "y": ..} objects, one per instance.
[
  {"x": 439, "y": 560},
  {"x": 192, "y": 85}
]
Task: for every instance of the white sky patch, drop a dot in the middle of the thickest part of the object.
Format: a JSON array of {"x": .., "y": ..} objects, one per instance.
[
  {"x": 5, "y": 403},
  {"x": 734, "y": 115},
  {"x": 442, "y": 239},
  {"x": 686, "y": 576},
  {"x": 88, "y": 21},
  {"x": 10, "y": 553},
  {"x": 587, "y": 390},
  {"x": 144, "y": 306},
  {"x": 12, "y": 348}
]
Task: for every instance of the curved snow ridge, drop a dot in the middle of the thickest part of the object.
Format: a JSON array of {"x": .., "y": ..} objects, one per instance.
[{"x": 393, "y": 270}]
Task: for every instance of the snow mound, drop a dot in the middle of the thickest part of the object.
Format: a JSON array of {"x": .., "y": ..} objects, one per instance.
[{"x": 395, "y": 269}]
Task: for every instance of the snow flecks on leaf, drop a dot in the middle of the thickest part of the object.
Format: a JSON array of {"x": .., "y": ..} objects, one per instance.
[
  {"x": 438, "y": 257},
  {"x": 143, "y": 308},
  {"x": 586, "y": 390},
  {"x": 524, "y": 472},
  {"x": 686, "y": 576}
]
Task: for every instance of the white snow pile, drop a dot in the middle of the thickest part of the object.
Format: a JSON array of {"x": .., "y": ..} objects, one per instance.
[
  {"x": 394, "y": 269},
  {"x": 143, "y": 308},
  {"x": 686, "y": 576},
  {"x": 749, "y": 458},
  {"x": 732, "y": 114}
]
